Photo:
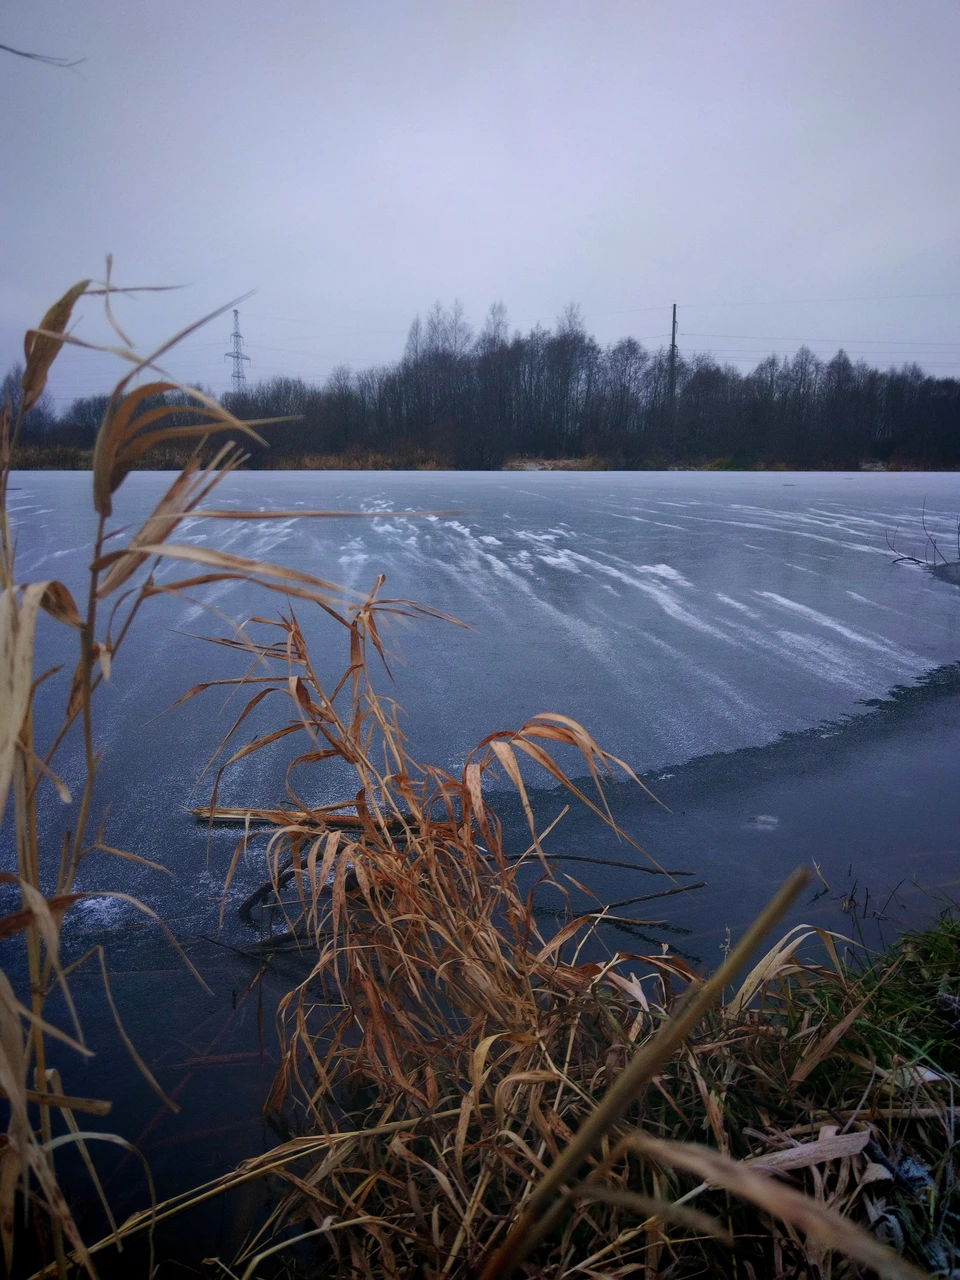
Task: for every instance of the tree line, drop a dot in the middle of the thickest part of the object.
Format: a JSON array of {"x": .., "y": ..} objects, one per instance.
[{"x": 472, "y": 399}]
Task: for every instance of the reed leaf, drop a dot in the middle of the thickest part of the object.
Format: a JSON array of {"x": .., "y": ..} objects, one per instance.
[{"x": 41, "y": 346}]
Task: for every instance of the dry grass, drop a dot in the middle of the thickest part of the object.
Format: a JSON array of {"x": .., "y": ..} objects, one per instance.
[
  {"x": 441, "y": 1054},
  {"x": 463, "y": 1093},
  {"x": 412, "y": 459},
  {"x": 592, "y": 462},
  {"x": 46, "y": 457}
]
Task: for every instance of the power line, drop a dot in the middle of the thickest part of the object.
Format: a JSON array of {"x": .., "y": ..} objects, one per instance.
[
  {"x": 876, "y": 342},
  {"x": 869, "y": 353},
  {"x": 803, "y": 302},
  {"x": 781, "y": 302},
  {"x": 750, "y": 357},
  {"x": 290, "y": 351},
  {"x": 776, "y": 302}
]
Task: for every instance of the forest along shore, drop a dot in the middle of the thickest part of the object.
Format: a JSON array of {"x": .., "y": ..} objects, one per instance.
[{"x": 470, "y": 400}]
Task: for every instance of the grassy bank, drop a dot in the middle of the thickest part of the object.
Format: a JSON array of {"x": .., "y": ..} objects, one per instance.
[
  {"x": 461, "y": 1092},
  {"x": 835, "y": 1081}
]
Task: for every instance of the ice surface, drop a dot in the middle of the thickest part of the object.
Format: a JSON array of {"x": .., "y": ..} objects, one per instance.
[
  {"x": 674, "y": 614},
  {"x": 787, "y": 638}
]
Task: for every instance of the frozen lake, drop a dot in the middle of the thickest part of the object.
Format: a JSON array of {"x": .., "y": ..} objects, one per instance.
[
  {"x": 675, "y": 614},
  {"x": 744, "y": 640}
]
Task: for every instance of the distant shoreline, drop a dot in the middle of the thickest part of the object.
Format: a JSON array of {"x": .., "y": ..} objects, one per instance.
[{"x": 68, "y": 458}]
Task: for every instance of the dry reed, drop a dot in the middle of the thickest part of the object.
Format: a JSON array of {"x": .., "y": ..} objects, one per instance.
[
  {"x": 450, "y": 1067},
  {"x": 129, "y": 430}
]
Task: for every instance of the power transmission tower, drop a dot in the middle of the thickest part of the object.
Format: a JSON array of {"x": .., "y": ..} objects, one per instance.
[{"x": 237, "y": 356}]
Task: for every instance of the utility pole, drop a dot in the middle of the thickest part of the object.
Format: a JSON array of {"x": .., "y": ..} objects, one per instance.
[
  {"x": 237, "y": 356},
  {"x": 672, "y": 410},
  {"x": 673, "y": 357}
]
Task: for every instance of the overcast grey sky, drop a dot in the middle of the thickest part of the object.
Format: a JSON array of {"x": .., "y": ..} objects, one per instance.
[{"x": 782, "y": 169}]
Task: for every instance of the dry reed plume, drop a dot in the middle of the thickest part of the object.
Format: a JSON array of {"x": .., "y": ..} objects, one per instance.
[{"x": 463, "y": 1093}]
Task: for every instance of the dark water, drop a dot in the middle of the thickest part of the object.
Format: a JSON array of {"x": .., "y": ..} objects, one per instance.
[{"x": 744, "y": 640}]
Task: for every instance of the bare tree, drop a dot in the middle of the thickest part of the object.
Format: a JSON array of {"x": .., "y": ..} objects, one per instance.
[{"x": 473, "y": 401}]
